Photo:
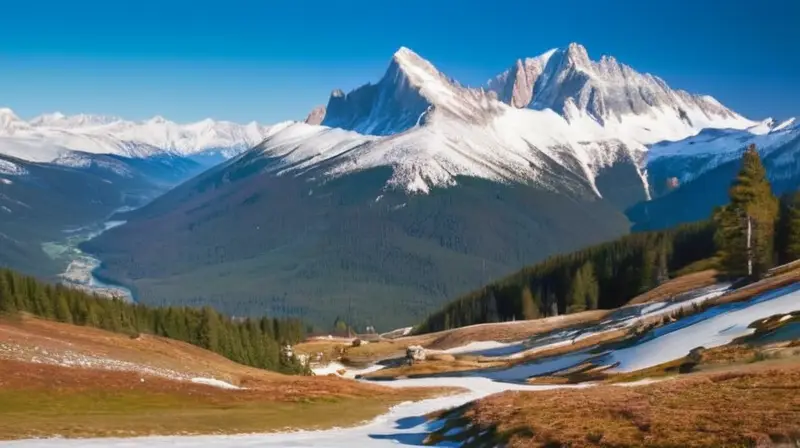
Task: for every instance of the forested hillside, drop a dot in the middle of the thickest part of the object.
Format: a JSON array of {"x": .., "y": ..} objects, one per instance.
[
  {"x": 609, "y": 275},
  {"x": 247, "y": 242},
  {"x": 253, "y": 342},
  {"x": 602, "y": 276}
]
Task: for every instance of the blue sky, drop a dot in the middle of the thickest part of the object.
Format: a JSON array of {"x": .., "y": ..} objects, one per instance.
[{"x": 274, "y": 60}]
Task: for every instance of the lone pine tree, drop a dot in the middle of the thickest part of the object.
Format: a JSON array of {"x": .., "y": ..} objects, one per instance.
[{"x": 752, "y": 204}]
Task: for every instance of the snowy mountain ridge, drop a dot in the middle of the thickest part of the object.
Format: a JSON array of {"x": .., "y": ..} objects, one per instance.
[
  {"x": 50, "y": 137},
  {"x": 559, "y": 107},
  {"x": 714, "y": 147}
]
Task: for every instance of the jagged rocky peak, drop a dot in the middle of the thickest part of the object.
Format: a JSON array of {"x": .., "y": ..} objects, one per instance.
[
  {"x": 569, "y": 82},
  {"x": 410, "y": 92},
  {"x": 316, "y": 116}
]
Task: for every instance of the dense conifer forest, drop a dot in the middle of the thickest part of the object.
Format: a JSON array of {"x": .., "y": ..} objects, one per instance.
[
  {"x": 253, "y": 342},
  {"x": 610, "y": 274}
]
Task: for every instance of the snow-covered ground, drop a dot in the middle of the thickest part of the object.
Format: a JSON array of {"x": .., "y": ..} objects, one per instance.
[
  {"x": 335, "y": 368},
  {"x": 624, "y": 318},
  {"x": 715, "y": 327}
]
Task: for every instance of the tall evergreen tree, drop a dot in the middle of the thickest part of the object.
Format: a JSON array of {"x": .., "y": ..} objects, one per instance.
[
  {"x": 62, "y": 312},
  {"x": 787, "y": 234},
  {"x": 530, "y": 309},
  {"x": 584, "y": 291},
  {"x": 751, "y": 204},
  {"x": 7, "y": 301}
]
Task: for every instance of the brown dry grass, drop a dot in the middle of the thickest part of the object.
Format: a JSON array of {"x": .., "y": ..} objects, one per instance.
[
  {"x": 44, "y": 400},
  {"x": 757, "y": 407},
  {"x": 600, "y": 338},
  {"x": 511, "y": 331},
  {"x": 432, "y": 367},
  {"x": 677, "y": 286},
  {"x": 762, "y": 286},
  {"x": 31, "y": 337}
]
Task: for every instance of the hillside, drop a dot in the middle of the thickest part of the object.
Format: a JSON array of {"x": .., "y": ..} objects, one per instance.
[{"x": 108, "y": 384}]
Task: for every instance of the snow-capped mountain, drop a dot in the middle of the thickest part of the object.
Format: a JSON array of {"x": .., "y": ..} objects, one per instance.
[
  {"x": 51, "y": 137},
  {"x": 639, "y": 105},
  {"x": 560, "y": 106},
  {"x": 411, "y": 190},
  {"x": 411, "y": 89}
]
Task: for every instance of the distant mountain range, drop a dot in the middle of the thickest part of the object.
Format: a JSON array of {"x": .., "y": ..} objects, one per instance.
[
  {"x": 62, "y": 172},
  {"x": 52, "y": 137},
  {"x": 405, "y": 193}
]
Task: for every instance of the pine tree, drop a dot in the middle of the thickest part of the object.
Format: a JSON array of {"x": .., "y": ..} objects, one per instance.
[
  {"x": 209, "y": 329},
  {"x": 530, "y": 310},
  {"x": 584, "y": 291},
  {"x": 62, "y": 312},
  {"x": 751, "y": 200},
  {"x": 787, "y": 235},
  {"x": 7, "y": 302}
]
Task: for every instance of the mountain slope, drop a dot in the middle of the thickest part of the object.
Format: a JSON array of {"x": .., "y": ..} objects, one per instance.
[
  {"x": 696, "y": 199},
  {"x": 250, "y": 243},
  {"x": 414, "y": 190},
  {"x": 39, "y": 202}
]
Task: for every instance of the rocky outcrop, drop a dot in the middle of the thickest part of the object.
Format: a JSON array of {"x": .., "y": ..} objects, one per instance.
[
  {"x": 415, "y": 353},
  {"x": 316, "y": 116}
]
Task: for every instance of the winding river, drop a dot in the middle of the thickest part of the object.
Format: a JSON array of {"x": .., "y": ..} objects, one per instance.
[{"x": 81, "y": 267}]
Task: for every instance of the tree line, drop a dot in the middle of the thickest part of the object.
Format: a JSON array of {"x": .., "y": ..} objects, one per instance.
[
  {"x": 248, "y": 341},
  {"x": 609, "y": 275}
]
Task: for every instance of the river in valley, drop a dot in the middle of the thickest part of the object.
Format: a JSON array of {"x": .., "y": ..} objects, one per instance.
[{"x": 81, "y": 267}]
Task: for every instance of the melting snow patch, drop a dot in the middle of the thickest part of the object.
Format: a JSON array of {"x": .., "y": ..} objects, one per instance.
[
  {"x": 335, "y": 368},
  {"x": 715, "y": 327},
  {"x": 488, "y": 348},
  {"x": 215, "y": 383}
]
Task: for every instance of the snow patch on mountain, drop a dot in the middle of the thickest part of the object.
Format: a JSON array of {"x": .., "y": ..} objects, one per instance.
[
  {"x": 515, "y": 146},
  {"x": 11, "y": 168}
]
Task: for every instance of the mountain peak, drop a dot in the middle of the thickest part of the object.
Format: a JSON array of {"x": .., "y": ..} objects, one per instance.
[
  {"x": 606, "y": 91},
  {"x": 6, "y": 112},
  {"x": 404, "y": 52},
  {"x": 577, "y": 52},
  {"x": 416, "y": 69}
]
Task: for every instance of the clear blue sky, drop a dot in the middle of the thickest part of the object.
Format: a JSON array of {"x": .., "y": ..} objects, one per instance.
[{"x": 272, "y": 60}]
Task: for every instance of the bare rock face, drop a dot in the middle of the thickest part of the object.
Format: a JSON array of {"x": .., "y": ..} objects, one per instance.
[
  {"x": 515, "y": 86},
  {"x": 316, "y": 115}
]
